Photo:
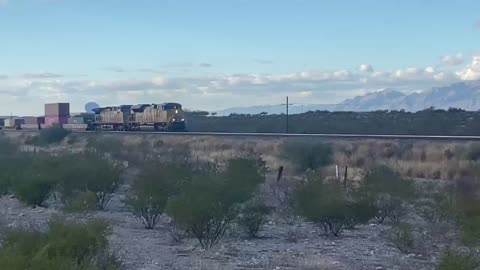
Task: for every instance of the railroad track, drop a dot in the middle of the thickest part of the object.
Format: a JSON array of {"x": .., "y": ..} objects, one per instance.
[{"x": 281, "y": 135}]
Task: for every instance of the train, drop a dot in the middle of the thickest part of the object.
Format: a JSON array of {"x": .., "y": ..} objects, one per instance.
[
  {"x": 161, "y": 117},
  {"x": 164, "y": 117}
]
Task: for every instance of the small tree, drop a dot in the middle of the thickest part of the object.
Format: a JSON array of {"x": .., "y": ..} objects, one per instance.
[
  {"x": 388, "y": 192},
  {"x": 253, "y": 216},
  {"x": 11, "y": 162},
  {"x": 63, "y": 246},
  {"x": 453, "y": 260},
  {"x": 35, "y": 182},
  {"x": 210, "y": 202},
  {"x": 50, "y": 135},
  {"x": 402, "y": 236},
  {"x": 327, "y": 204},
  {"x": 307, "y": 155},
  {"x": 151, "y": 190},
  {"x": 89, "y": 172}
]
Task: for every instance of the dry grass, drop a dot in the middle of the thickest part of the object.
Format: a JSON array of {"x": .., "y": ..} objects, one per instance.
[
  {"x": 309, "y": 262},
  {"x": 419, "y": 159}
]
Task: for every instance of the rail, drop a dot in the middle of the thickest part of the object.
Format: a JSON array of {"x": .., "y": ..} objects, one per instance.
[{"x": 282, "y": 135}]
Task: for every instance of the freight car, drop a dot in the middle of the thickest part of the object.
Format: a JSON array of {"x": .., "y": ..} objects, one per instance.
[{"x": 167, "y": 116}]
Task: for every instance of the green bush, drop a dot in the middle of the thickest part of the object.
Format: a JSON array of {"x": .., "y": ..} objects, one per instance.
[
  {"x": 209, "y": 203},
  {"x": 11, "y": 162},
  {"x": 81, "y": 202},
  {"x": 306, "y": 155},
  {"x": 457, "y": 261},
  {"x": 330, "y": 206},
  {"x": 253, "y": 216},
  {"x": 50, "y": 135},
  {"x": 89, "y": 172},
  {"x": 106, "y": 145},
  {"x": 150, "y": 191},
  {"x": 473, "y": 152},
  {"x": 65, "y": 246},
  {"x": 387, "y": 191},
  {"x": 468, "y": 206},
  {"x": 470, "y": 222},
  {"x": 402, "y": 237},
  {"x": 439, "y": 207},
  {"x": 36, "y": 180}
]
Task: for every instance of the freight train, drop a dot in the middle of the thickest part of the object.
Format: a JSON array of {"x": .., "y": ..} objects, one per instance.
[
  {"x": 160, "y": 117},
  {"x": 166, "y": 117}
]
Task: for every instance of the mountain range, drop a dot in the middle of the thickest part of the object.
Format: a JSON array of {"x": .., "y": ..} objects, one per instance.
[{"x": 464, "y": 95}]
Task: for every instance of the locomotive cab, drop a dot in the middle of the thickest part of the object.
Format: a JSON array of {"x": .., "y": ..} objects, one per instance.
[{"x": 175, "y": 116}]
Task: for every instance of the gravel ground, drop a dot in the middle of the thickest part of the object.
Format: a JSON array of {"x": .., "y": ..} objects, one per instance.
[{"x": 140, "y": 249}]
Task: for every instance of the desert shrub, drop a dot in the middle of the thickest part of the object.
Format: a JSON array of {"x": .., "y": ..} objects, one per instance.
[
  {"x": 253, "y": 216},
  {"x": 439, "y": 206},
  {"x": 402, "y": 237},
  {"x": 36, "y": 180},
  {"x": 50, "y": 135},
  {"x": 81, "y": 202},
  {"x": 111, "y": 145},
  {"x": 64, "y": 246},
  {"x": 307, "y": 155},
  {"x": 470, "y": 222},
  {"x": 89, "y": 172},
  {"x": 208, "y": 204},
  {"x": 467, "y": 192},
  {"x": 151, "y": 190},
  {"x": 10, "y": 163},
  {"x": 453, "y": 260},
  {"x": 330, "y": 206},
  {"x": 473, "y": 152},
  {"x": 388, "y": 191}
]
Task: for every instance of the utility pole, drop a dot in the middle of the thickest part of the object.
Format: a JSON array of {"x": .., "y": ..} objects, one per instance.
[
  {"x": 286, "y": 127},
  {"x": 286, "y": 119}
]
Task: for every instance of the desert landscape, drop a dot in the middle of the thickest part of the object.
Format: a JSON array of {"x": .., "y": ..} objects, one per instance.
[{"x": 424, "y": 230}]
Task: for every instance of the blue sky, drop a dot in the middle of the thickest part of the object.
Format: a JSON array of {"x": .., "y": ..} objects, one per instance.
[{"x": 218, "y": 54}]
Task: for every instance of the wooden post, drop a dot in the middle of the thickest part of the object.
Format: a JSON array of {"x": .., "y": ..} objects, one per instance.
[
  {"x": 280, "y": 173},
  {"x": 345, "y": 178}
]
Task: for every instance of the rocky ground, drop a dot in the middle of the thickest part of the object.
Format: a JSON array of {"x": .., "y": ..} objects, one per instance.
[{"x": 281, "y": 246}]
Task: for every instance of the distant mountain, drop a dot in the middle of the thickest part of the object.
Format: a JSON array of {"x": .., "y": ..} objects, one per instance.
[
  {"x": 464, "y": 95},
  {"x": 382, "y": 100},
  {"x": 278, "y": 109}
]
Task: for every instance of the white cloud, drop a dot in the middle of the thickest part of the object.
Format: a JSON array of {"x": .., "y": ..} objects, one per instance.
[
  {"x": 217, "y": 91},
  {"x": 453, "y": 60},
  {"x": 472, "y": 72},
  {"x": 305, "y": 93},
  {"x": 366, "y": 68},
  {"x": 263, "y": 61},
  {"x": 115, "y": 69},
  {"x": 41, "y": 75}
]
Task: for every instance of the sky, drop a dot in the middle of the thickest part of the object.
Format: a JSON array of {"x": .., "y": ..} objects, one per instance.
[{"x": 217, "y": 54}]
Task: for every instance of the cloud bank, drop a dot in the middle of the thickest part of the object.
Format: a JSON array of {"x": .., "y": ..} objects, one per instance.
[{"x": 27, "y": 92}]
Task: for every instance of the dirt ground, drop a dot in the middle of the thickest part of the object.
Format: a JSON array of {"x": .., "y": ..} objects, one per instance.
[{"x": 281, "y": 245}]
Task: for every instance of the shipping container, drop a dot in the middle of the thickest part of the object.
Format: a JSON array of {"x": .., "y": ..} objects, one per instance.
[
  {"x": 30, "y": 126},
  {"x": 30, "y": 120},
  {"x": 13, "y": 122},
  {"x": 57, "y": 109},
  {"x": 75, "y": 126},
  {"x": 76, "y": 120},
  {"x": 52, "y": 120},
  {"x": 41, "y": 119}
]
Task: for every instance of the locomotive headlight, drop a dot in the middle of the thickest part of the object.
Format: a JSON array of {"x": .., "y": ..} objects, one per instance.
[
  {"x": 173, "y": 120},
  {"x": 176, "y": 111},
  {"x": 183, "y": 119}
]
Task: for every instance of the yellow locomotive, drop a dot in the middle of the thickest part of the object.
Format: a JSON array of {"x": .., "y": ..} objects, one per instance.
[{"x": 166, "y": 117}]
